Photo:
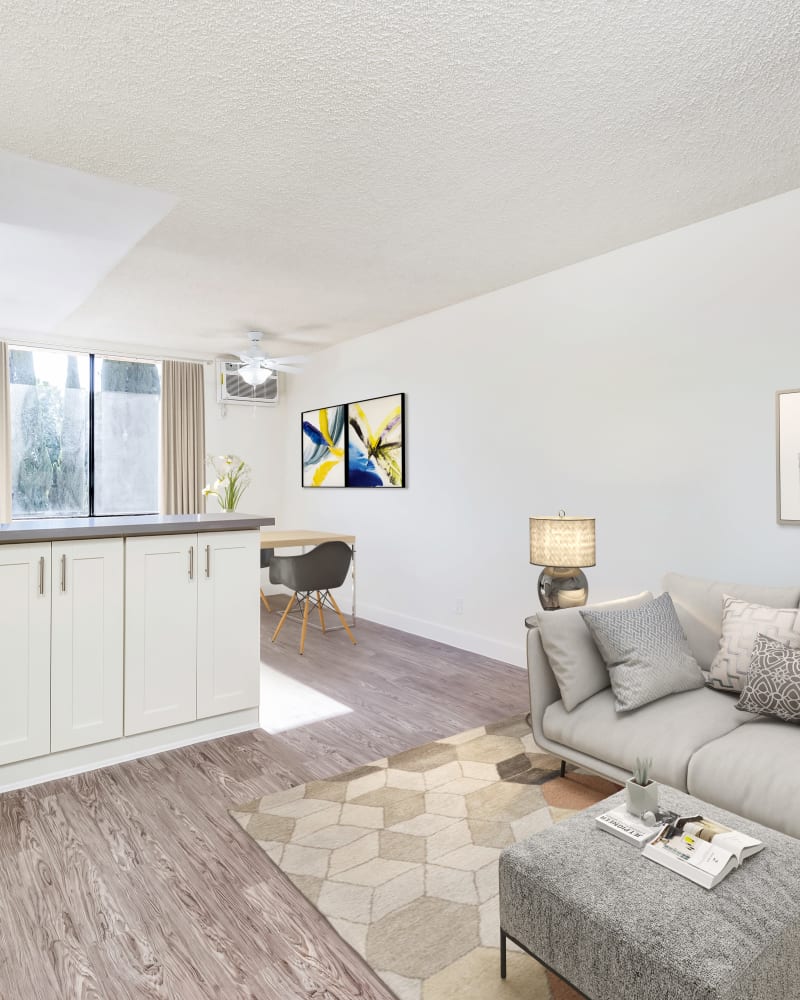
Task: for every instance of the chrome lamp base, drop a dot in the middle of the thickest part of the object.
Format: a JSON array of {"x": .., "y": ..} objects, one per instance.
[{"x": 562, "y": 587}]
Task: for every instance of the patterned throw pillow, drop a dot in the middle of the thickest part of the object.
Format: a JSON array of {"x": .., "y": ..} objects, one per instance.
[
  {"x": 773, "y": 681},
  {"x": 646, "y": 652},
  {"x": 741, "y": 622}
]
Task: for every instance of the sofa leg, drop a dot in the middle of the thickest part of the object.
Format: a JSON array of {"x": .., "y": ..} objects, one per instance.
[
  {"x": 502, "y": 953},
  {"x": 563, "y": 768}
]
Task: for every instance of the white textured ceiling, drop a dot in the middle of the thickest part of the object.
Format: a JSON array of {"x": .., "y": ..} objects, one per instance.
[
  {"x": 339, "y": 166},
  {"x": 61, "y": 232}
]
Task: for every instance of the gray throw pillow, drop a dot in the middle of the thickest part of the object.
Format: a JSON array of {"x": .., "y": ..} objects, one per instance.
[
  {"x": 574, "y": 658},
  {"x": 646, "y": 652},
  {"x": 773, "y": 680}
]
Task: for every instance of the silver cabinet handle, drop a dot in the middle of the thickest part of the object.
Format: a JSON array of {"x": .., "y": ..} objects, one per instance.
[
  {"x": 208, "y": 560},
  {"x": 63, "y": 573},
  {"x": 41, "y": 574},
  {"x": 191, "y": 562}
]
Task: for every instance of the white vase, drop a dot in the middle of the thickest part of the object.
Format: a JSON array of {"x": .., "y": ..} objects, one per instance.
[{"x": 640, "y": 799}]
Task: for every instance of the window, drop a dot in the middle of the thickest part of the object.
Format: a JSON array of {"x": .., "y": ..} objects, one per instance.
[
  {"x": 127, "y": 398},
  {"x": 85, "y": 434}
]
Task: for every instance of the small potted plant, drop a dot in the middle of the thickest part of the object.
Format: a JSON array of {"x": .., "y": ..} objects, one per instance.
[
  {"x": 233, "y": 478},
  {"x": 641, "y": 792}
]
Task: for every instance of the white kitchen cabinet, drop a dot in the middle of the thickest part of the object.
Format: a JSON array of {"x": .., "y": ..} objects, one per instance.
[
  {"x": 228, "y": 654},
  {"x": 25, "y": 665},
  {"x": 87, "y": 642},
  {"x": 117, "y": 643},
  {"x": 160, "y": 631}
]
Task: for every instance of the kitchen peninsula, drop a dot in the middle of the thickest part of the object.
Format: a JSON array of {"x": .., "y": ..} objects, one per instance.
[{"x": 124, "y": 636}]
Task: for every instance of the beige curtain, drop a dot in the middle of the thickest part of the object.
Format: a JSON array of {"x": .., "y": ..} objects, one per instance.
[
  {"x": 5, "y": 436},
  {"x": 183, "y": 438}
]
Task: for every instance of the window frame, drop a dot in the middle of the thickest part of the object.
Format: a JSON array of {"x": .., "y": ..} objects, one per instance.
[{"x": 92, "y": 356}]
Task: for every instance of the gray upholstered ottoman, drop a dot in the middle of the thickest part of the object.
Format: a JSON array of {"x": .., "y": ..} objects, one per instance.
[{"x": 619, "y": 927}]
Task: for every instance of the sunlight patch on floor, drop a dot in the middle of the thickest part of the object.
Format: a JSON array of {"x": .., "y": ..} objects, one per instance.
[{"x": 288, "y": 704}]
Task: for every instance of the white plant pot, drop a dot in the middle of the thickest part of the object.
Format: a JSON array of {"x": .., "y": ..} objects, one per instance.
[{"x": 640, "y": 799}]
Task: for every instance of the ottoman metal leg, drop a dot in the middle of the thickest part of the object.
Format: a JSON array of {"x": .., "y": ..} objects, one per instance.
[{"x": 502, "y": 953}]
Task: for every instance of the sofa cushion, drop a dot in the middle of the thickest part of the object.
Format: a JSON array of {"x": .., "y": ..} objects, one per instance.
[
  {"x": 741, "y": 622},
  {"x": 646, "y": 652},
  {"x": 698, "y": 603},
  {"x": 574, "y": 658},
  {"x": 669, "y": 730},
  {"x": 753, "y": 771},
  {"x": 773, "y": 681}
]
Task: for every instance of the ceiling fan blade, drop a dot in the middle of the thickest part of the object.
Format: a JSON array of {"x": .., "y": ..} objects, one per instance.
[
  {"x": 291, "y": 359},
  {"x": 229, "y": 357},
  {"x": 290, "y": 369}
]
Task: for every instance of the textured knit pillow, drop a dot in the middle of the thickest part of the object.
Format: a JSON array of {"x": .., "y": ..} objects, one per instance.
[
  {"x": 741, "y": 622},
  {"x": 773, "y": 680},
  {"x": 574, "y": 658},
  {"x": 646, "y": 652}
]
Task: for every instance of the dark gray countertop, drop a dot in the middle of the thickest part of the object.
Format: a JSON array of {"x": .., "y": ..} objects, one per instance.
[{"x": 49, "y": 529}]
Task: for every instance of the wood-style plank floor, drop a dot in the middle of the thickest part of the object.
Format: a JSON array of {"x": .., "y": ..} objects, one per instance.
[{"x": 133, "y": 881}]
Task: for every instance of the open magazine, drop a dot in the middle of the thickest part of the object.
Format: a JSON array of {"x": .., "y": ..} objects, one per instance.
[{"x": 703, "y": 851}]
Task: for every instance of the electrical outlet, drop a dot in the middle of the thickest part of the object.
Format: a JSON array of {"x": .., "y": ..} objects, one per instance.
[{"x": 459, "y": 605}]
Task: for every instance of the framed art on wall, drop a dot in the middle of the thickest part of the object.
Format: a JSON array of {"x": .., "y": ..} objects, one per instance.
[
  {"x": 375, "y": 442},
  {"x": 323, "y": 446},
  {"x": 360, "y": 444},
  {"x": 788, "y": 447}
]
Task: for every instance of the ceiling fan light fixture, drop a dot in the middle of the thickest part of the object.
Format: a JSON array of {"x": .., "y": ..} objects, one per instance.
[{"x": 254, "y": 374}]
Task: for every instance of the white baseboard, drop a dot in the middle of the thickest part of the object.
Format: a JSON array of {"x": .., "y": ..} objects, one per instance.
[
  {"x": 22, "y": 773},
  {"x": 507, "y": 652}
]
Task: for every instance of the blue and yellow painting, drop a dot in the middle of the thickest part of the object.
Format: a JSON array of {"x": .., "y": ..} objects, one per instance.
[
  {"x": 323, "y": 437},
  {"x": 375, "y": 446}
]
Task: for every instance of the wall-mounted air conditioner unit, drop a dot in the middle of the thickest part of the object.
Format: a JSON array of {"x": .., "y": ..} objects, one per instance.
[{"x": 232, "y": 388}]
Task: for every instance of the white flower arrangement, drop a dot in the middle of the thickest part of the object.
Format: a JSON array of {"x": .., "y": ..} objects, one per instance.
[{"x": 233, "y": 478}]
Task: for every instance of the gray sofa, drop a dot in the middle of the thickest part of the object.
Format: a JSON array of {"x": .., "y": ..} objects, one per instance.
[{"x": 699, "y": 741}]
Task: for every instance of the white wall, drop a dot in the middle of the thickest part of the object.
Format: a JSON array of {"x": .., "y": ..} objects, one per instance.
[
  {"x": 637, "y": 387},
  {"x": 257, "y": 434}
]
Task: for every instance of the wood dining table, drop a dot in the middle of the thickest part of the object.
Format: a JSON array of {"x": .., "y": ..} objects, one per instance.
[{"x": 304, "y": 538}]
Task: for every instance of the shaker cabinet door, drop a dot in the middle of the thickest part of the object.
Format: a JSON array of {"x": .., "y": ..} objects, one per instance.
[
  {"x": 228, "y": 656},
  {"x": 87, "y": 642},
  {"x": 25, "y": 631},
  {"x": 160, "y": 632}
]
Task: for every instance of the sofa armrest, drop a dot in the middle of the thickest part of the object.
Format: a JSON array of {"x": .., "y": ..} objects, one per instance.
[{"x": 543, "y": 686}]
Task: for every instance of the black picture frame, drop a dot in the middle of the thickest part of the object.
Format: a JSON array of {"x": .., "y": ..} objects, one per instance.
[
  {"x": 323, "y": 486},
  {"x": 348, "y": 484}
]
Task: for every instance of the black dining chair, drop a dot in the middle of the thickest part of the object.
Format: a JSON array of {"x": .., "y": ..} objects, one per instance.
[
  {"x": 311, "y": 577},
  {"x": 266, "y": 558}
]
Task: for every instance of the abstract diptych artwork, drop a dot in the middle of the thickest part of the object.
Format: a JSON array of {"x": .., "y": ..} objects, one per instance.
[
  {"x": 323, "y": 444},
  {"x": 359, "y": 444}
]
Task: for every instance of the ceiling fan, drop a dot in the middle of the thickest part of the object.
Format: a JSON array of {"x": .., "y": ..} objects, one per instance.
[{"x": 255, "y": 367}]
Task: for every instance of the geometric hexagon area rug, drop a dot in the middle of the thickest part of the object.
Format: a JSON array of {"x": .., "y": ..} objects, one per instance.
[{"x": 401, "y": 856}]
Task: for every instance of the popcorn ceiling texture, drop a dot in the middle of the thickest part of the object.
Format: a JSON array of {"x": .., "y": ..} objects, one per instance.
[{"x": 344, "y": 165}]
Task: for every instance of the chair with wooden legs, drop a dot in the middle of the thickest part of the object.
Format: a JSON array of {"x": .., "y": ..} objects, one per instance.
[
  {"x": 312, "y": 577},
  {"x": 266, "y": 559}
]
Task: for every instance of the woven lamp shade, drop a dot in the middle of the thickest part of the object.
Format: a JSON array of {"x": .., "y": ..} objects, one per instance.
[{"x": 562, "y": 541}]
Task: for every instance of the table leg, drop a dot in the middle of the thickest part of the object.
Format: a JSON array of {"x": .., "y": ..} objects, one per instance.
[{"x": 353, "y": 584}]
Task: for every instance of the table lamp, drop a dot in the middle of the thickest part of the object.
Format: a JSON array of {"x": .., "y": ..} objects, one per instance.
[{"x": 561, "y": 545}]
